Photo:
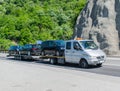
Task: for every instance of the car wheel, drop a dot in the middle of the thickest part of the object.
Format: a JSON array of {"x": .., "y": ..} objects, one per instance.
[{"x": 83, "y": 63}]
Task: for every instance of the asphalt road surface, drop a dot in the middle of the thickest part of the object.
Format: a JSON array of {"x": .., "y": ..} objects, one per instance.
[
  {"x": 111, "y": 67},
  {"x": 17, "y": 75}
]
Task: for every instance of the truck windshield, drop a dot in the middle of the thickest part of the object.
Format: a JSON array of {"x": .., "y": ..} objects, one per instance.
[{"x": 89, "y": 45}]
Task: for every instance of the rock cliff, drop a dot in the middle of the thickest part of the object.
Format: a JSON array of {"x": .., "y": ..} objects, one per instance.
[{"x": 100, "y": 21}]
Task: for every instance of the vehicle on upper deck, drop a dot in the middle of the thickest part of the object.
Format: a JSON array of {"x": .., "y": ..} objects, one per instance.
[
  {"x": 31, "y": 49},
  {"x": 13, "y": 50},
  {"x": 53, "y": 48}
]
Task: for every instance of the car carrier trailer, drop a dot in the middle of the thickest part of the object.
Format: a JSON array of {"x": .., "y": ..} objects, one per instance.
[
  {"x": 52, "y": 59},
  {"x": 82, "y": 52}
]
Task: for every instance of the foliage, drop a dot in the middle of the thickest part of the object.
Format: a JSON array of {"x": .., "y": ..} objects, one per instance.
[
  {"x": 5, "y": 44},
  {"x": 25, "y": 21}
]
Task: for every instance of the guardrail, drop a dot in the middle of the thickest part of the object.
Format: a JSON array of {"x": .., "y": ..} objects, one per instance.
[{"x": 3, "y": 51}]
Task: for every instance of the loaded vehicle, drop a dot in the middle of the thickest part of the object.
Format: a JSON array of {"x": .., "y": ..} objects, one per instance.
[
  {"x": 31, "y": 49},
  {"x": 28, "y": 51},
  {"x": 53, "y": 47},
  {"x": 13, "y": 50}
]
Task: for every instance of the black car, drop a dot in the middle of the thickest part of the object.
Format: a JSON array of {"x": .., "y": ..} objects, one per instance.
[
  {"x": 31, "y": 49},
  {"x": 14, "y": 50},
  {"x": 53, "y": 47}
]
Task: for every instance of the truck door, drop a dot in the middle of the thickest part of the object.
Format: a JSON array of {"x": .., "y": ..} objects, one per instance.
[
  {"x": 68, "y": 52},
  {"x": 76, "y": 52}
]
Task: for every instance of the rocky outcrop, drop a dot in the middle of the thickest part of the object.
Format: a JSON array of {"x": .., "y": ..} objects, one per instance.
[{"x": 100, "y": 21}]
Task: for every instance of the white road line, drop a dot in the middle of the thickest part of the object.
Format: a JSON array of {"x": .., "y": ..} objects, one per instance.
[
  {"x": 113, "y": 58},
  {"x": 111, "y": 64}
]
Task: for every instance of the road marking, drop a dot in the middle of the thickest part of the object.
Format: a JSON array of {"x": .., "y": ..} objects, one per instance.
[
  {"x": 112, "y": 58},
  {"x": 111, "y": 64}
]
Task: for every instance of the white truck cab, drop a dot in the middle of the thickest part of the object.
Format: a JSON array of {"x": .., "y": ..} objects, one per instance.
[{"x": 84, "y": 53}]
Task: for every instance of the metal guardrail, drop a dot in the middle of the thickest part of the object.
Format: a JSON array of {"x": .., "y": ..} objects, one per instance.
[{"x": 3, "y": 51}]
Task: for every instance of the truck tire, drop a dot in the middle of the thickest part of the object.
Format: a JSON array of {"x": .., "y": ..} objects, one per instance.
[
  {"x": 53, "y": 61},
  {"x": 99, "y": 65},
  {"x": 83, "y": 63}
]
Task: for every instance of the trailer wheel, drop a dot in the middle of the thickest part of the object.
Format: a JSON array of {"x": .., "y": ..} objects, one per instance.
[
  {"x": 83, "y": 63},
  {"x": 53, "y": 61}
]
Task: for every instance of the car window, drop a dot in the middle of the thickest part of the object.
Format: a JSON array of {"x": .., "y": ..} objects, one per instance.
[
  {"x": 76, "y": 44},
  {"x": 13, "y": 48},
  {"x": 44, "y": 44},
  {"x": 51, "y": 43},
  {"x": 36, "y": 46},
  {"x": 60, "y": 43},
  {"x": 68, "y": 45}
]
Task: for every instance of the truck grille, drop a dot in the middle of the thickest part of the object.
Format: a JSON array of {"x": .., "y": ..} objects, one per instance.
[{"x": 100, "y": 57}]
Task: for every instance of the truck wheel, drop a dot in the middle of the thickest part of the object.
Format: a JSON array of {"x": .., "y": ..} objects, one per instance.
[
  {"x": 99, "y": 65},
  {"x": 53, "y": 61},
  {"x": 83, "y": 63}
]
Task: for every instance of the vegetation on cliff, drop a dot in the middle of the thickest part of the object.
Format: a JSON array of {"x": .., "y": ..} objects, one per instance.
[{"x": 25, "y": 21}]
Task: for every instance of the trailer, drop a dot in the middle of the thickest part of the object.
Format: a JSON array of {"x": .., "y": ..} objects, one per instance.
[{"x": 51, "y": 58}]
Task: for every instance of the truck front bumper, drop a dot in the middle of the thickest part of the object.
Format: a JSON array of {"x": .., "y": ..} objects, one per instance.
[{"x": 96, "y": 60}]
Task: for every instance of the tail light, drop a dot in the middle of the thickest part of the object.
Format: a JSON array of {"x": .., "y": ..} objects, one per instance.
[{"x": 34, "y": 49}]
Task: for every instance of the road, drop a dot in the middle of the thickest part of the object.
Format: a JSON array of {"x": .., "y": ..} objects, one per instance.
[{"x": 16, "y": 75}]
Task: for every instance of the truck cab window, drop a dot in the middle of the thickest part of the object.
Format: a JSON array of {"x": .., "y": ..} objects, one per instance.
[
  {"x": 68, "y": 45},
  {"x": 76, "y": 46}
]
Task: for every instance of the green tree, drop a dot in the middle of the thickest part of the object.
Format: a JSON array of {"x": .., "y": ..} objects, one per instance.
[{"x": 25, "y": 21}]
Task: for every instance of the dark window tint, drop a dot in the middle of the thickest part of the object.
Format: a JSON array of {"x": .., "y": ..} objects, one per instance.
[
  {"x": 28, "y": 46},
  {"x": 38, "y": 46},
  {"x": 60, "y": 43},
  {"x": 76, "y": 44},
  {"x": 44, "y": 44},
  {"x": 68, "y": 45},
  {"x": 13, "y": 48},
  {"x": 51, "y": 43}
]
